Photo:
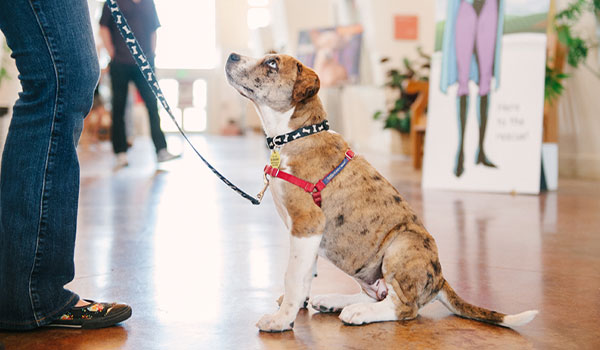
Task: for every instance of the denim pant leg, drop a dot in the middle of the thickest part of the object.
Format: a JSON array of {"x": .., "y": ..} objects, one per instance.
[{"x": 52, "y": 43}]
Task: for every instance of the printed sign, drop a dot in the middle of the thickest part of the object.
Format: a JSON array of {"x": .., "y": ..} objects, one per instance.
[{"x": 484, "y": 125}]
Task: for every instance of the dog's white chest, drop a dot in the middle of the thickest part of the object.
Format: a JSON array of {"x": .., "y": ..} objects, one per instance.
[{"x": 277, "y": 191}]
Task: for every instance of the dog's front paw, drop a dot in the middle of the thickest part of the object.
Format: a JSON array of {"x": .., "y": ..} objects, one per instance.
[
  {"x": 357, "y": 314},
  {"x": 275, "y": 323},
  {"x": 327, "y": 303}
]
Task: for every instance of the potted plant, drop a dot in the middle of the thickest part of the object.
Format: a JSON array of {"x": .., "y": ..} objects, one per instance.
[
  {"x": 4, "y": 50},
  {"x": 397, "y": 116},
  {"x": 575, "y": 46}
]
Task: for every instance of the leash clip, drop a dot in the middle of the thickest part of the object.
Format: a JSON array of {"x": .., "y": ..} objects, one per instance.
[{"x": 261, "y": 194}]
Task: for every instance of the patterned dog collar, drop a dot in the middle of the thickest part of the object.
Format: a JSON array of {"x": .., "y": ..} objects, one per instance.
[{"x": 281, "y": 140}]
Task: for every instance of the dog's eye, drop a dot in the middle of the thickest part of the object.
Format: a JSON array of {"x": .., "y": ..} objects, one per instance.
[{"x": 272, "y": 64}]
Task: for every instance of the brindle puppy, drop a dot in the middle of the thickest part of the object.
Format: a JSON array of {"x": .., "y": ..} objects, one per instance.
[{"x": 364, "y": 226}]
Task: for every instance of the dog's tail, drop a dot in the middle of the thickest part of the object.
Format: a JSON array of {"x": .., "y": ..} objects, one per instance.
[{"x": 458, "y": 306}]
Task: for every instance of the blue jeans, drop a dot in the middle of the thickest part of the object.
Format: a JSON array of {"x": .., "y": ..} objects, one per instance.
[{"x": 53, "y": 45}]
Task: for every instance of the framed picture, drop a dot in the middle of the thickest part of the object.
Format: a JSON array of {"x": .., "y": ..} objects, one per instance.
[{"x": 334, "y": 53}]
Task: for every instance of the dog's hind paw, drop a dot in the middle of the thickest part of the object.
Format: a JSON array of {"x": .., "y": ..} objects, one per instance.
[
  {"x": 324, "y": 304},
  {"x": 336, "y": 302},
  {"x": 274, "y": 323},
  {"x": 357, "y": 314},
  {"x": 363, "y": 313},
  {"x": 304, "y": 305}
]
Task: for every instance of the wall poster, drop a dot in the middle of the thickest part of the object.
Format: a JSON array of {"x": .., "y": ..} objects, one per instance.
[{"x": 484, "y": 125}]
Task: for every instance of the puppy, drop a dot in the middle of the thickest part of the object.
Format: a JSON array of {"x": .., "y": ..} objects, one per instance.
[{"x": 362, "y": 225}]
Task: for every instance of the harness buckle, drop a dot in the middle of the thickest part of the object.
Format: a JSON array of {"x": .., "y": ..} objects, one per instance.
[
  {"x": 317, "y": 198},
  {"x": 349, "y": 154},
  {"x": 261, "y": 194},
  {"x": 319, "y": 186}
]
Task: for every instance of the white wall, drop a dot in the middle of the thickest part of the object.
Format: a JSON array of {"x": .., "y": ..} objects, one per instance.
[
  {"x": 350, "y": 109},
  {"x": 232, "y": 36},
  {"x": 377, "y": 18},
  {"x": 579, "y": 120}
]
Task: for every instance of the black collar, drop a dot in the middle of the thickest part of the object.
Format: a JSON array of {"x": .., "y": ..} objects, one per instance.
[{"x": 281, "y": 140}]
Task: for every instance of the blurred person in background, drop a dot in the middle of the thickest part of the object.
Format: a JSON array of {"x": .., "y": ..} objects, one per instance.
[{"x": 142, "y": 18}]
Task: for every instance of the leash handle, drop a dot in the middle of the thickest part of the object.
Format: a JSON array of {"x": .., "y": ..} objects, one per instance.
[{"x": 146, "y": 69}]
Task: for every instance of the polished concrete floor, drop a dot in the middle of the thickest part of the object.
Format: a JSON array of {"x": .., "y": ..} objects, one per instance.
[{"x": 199, "y": 265}]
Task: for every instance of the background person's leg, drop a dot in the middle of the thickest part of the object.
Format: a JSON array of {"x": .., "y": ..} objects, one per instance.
[
  {"x": 119, "y": 80},
  {"x": 158, "y": 137},
  {"x": 53, "y": 46}
]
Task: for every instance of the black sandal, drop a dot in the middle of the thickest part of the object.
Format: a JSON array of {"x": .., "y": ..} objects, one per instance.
[{"x": 94, "y": 315}]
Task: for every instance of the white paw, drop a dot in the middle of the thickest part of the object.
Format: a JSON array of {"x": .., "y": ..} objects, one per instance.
[
  {"x": 303, "y": 306},
  {"x": 357, "y": 314},
  {"x": 275, "y": 323},
  {"x": 326, "y": 303}
]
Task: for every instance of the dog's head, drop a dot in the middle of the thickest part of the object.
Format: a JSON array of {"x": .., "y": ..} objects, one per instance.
[{"x": 279, "y": 82}]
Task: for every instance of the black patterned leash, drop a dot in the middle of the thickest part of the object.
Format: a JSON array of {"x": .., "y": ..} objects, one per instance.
[{"x": 148, "y": 73}]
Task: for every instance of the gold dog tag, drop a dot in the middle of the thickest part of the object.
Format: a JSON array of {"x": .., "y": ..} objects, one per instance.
[{"x": 275, "y": 159}]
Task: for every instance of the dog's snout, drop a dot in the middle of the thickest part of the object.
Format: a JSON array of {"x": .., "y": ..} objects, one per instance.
[{"x": 234, "y": 57}]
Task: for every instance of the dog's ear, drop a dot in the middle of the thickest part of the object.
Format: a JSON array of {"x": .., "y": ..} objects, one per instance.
[{"x": 307, "y": 84}]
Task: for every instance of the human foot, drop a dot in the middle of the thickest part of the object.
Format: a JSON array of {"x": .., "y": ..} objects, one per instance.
[
  {"x": 82, "y": 302},
  {"x": 93, "y": 315}
]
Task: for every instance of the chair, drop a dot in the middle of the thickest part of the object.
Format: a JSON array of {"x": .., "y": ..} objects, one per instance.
[{"x": 418, "y": 122}]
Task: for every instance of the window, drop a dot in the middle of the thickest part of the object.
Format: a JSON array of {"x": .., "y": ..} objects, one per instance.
[
  {"x": 170, "y": 88},
  {"x": 194, "y": 118},
  {"x": 258, "y": 14},
  {"x": 187, "y": 36}
]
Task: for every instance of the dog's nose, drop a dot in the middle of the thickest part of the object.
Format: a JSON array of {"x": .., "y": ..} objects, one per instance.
[{"x": 234, "y": 57}]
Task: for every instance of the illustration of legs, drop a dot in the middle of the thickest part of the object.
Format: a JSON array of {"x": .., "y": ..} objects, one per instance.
[
  {"x": 462, "y": 107},
  {"x": 466, "y": 23},
  {"x": 487, "y": 29}
]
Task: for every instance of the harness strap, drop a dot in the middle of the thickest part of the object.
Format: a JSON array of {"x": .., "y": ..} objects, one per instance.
[{"x": 313, "y": 189}]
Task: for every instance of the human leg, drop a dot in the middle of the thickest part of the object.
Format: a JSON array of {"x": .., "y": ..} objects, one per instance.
[
  {"x": 158, "y": 137},
  {"x": 120, "y": 75},
  {"x": 53, "y": 46}
]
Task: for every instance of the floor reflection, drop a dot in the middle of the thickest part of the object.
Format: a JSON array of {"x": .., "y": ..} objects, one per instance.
[
  {"x": 487, "y": 236},
  {"x": 200, "y": 265}
]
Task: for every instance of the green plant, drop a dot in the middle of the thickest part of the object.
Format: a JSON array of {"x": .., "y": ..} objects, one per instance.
[
  {"x": 3, "y": 72},
  {"x": 577, "y": 48},
  {"x": 554, "y": 86},
  {"x": 398, "y": 114}
]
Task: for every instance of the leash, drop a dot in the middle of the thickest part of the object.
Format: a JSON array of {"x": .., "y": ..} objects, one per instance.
[{"x": 148, "y": 73}]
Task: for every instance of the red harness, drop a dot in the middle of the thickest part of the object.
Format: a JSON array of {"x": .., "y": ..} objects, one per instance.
[{"x": 313, "y": 189}]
